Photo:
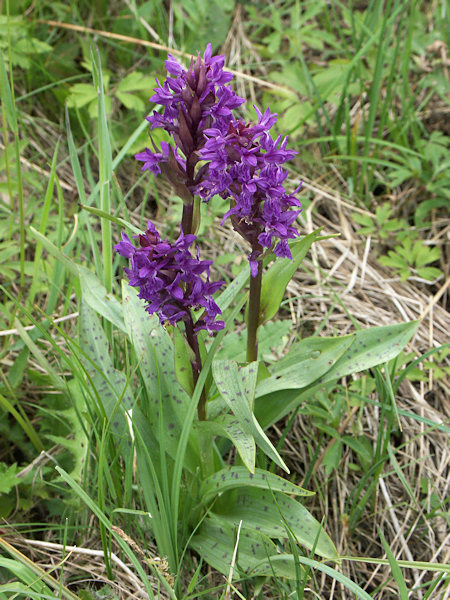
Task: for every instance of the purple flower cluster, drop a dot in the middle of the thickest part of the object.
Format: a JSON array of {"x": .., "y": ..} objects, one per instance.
[
  {"x": 244, "y": 164},
  {"x": 170, "y": 279},
  {"x": 194, "y": 99}
]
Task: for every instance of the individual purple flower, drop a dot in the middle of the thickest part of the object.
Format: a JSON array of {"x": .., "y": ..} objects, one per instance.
[
  {"x": 170, "y": 279},
  {"x": 193, "y": 99},
  {"x": 245, "y": 165}
]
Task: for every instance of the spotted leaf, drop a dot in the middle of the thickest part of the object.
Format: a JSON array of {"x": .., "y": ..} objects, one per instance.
[
  {"x": 228, "y": 426},
  {"x": 237, "y": 385},
  {"x": 235, "y": 477},
  {"x": 273, "y": 514}
]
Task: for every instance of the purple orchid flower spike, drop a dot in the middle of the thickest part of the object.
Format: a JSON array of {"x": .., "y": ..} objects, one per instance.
[
  {"x": 245, "y": 165},
  {"x": 171, "y": 280},
  {"x": 193, "y": 100}
]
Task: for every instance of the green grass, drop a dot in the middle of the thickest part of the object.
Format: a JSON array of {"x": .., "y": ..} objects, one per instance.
[{"x": 364, "y": 97}]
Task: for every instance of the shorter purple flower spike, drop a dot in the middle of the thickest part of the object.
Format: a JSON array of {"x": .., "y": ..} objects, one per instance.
[
  {"x": 169, "y": 278},
  {"x": 245, "y": 166}
]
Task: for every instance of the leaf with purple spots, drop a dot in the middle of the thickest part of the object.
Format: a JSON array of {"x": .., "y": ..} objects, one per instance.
[
  {"x": 306, "y": 362},
  {"x": 228, "y": 426},
  {"x": 216, "y": 541},
  {"x": 371, "y": 347},
  {"x": 235, "y": 477},
  {"x": 110, "y": 388},
  {"x": 237, "y": 387},
  {"x": 271, "y": 513},
  {"x": 166, "y": 401}
]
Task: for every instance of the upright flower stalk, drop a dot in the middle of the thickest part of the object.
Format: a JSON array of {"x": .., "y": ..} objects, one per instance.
[
  {"x": 211, "y": 152},
  {"x": 170, "y": 282}
]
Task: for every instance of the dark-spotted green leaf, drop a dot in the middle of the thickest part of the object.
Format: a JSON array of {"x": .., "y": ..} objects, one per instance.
[
  {"x": 272, "y": 513},
  {"x": 228, "y": 426},
  {"x": 368, "y": 348},
  {"x": 95, "y": 294},
  {"x": 111, "y": 390},
  {"x": 235, "y": 477},
  {"x": 216, "y": 542},
  {"x": 183, "y": 356},
  {"x": 237, "y": 385},
  {"x": 371, "y": 347},
  {"x": 279, "y": 274},
  {"x": 167, "y": 402},
  {"x": 307, "y": 361}
]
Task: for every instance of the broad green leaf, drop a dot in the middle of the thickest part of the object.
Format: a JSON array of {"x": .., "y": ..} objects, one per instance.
[
  {"x": 95, "y": 294},
  {"x": 270, "y": 513},
  {"x": 235, "y": 477},
  {"x": 279, "y": 274},
  {"x": 228, "y": 426},
  {"x": 307, "y": 361},
  {"x": 237, "y": 387},
  {"x": 111, "y": 389},
  {"x": 369, "y": 347},
  {"x": 183, "y": 367},
  {"x": 156, "y": 364},
  {"x": 216, "y": 542}
]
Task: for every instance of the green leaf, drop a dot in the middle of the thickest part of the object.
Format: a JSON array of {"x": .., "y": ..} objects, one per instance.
[
  {"x": 216, "y": 542},
  {"x": 110, "y": 387},
  {"x": 332, "y": 457},
  {"x": 396, "y": 571},
  {"x": 15, "y": 374},
  {"x": 7, "y": 99},
  {"x": 228, "y": 426},
  {"x": 81, "y": 94},
  {"x": 234, "y": 477},
  {"x": 429, "y": 273},
  {"x": 237, "y": 387},
  {"x": 306, "y": 362},
  {"x": 156, "y": 365},
  {"x": 8, "y": 477},
  {"x": 136, "y": 81},
  {"x": 131, "y": 101},
  {"x": 95, "y": 294},
  {"x": 368, "y": 348},
  {"x": 279, "y": 274},
  {"x": 183, "y": 356},
  {"x": 371, "y": 347},
  {"x": 271, "y": 513},
  {"x": 77, "y": 444}
]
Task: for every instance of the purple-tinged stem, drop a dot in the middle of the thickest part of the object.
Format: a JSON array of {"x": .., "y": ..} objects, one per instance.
[
  {"x": 196, "y": 364},
  {"x": 254, "y": 303}
]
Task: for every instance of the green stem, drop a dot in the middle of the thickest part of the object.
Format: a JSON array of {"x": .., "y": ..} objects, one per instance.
[{"x": 254, "y": 302}]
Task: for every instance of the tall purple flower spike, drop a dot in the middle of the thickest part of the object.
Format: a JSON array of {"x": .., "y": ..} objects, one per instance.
[
  {"x": 193, "y": 99},
  {"x": 244, "y": 165},
  {"x": 170, "y": 279}
]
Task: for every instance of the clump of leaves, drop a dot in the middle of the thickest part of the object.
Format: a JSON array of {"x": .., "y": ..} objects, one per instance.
[
  {"x": 382, "y": 224},
  {"x": 17, "y": 43},
  {"x": 413, "y": 259}
]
